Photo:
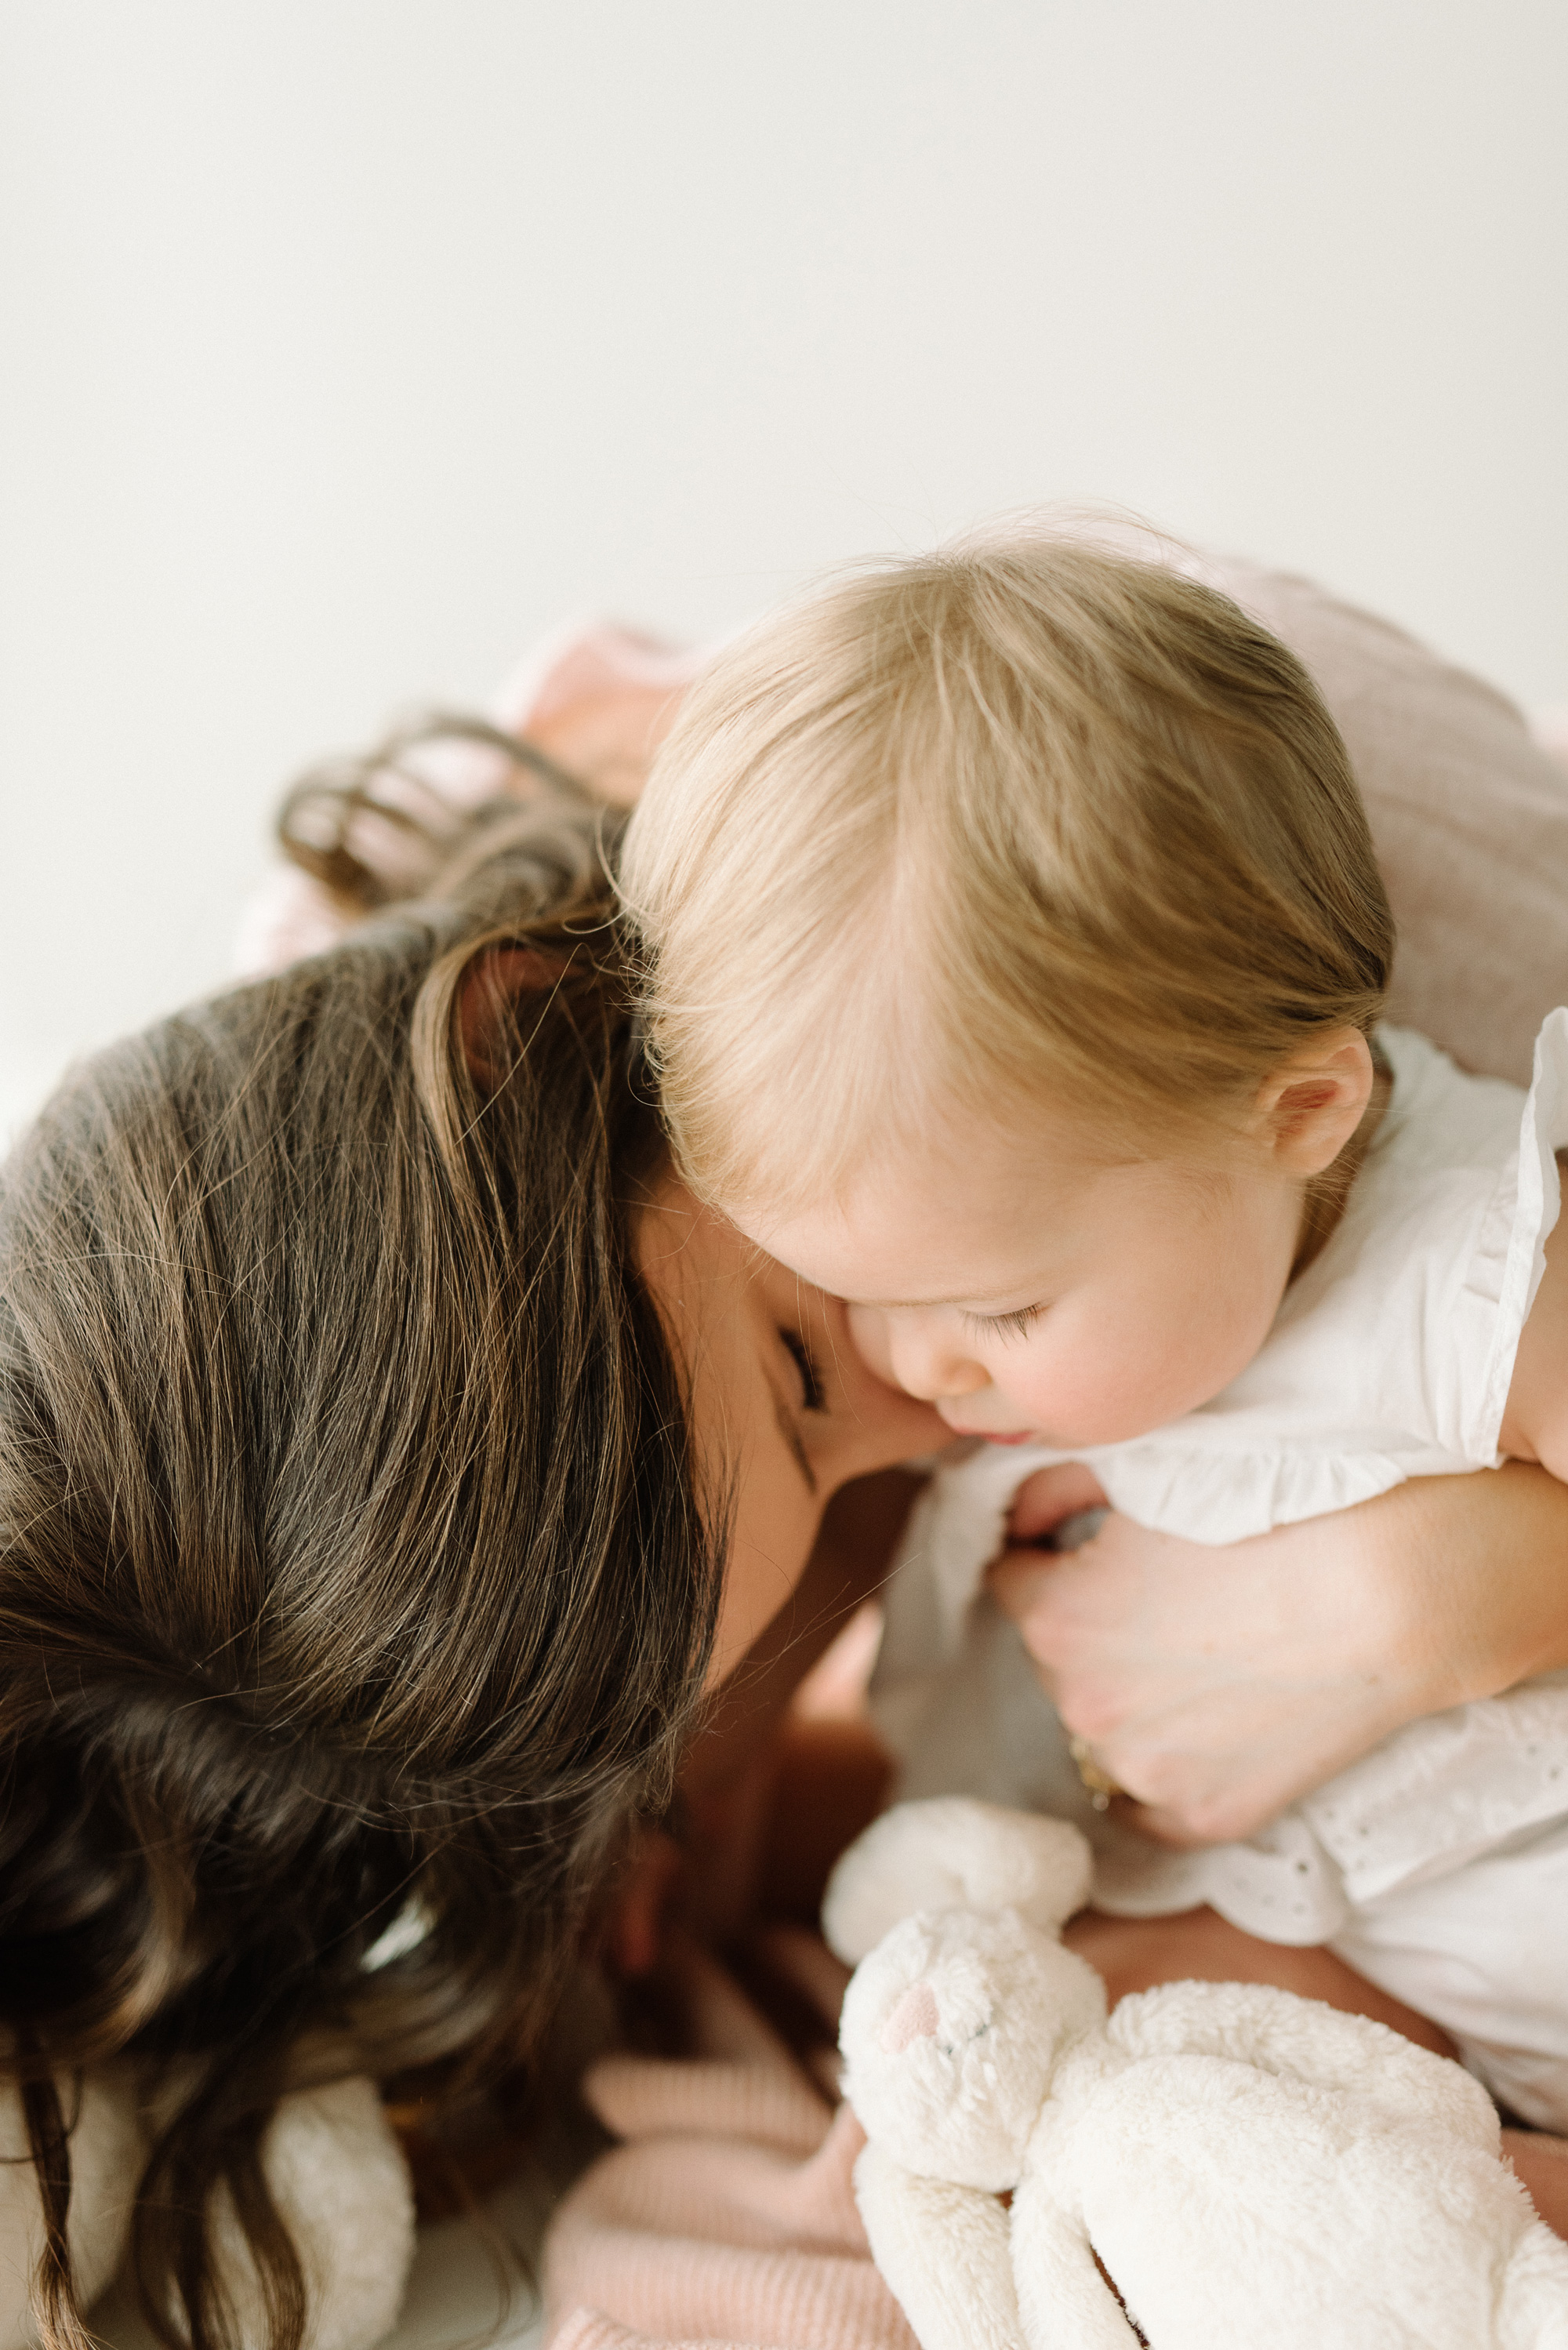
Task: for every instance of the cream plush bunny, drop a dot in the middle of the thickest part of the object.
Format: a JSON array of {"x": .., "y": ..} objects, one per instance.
[{"x": 1228, "y": 2166}]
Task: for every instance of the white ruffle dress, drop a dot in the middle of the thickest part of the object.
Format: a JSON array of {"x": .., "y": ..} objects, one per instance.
[{"x": 1438, "y": 1865}]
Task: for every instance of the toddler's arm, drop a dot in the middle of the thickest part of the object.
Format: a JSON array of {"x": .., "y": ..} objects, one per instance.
[{"x": 1219, "y": 1684}]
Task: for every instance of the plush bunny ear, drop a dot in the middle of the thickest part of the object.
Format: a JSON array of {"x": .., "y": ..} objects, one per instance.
[{"x": 953, "y": 1853}]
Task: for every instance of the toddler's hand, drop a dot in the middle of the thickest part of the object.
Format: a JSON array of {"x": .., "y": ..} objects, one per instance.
[
  {"x": 605, "y": 701},
  {"x": 1050, "y": 1499},
  {"x": 1216, "y": 1685}
]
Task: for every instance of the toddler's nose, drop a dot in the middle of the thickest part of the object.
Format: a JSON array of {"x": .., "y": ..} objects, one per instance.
[
  {"x": 928, "y": 1364},
  {"x": 908, "y": 1353}
]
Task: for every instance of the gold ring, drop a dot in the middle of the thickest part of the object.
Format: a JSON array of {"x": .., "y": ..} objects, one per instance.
[{"x": 1100, "y": 1783}]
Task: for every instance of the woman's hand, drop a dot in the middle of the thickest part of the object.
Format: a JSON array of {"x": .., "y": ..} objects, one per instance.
[
  {"x": 603, "y": 707},
  {"x": 1216, "y": 1685}
]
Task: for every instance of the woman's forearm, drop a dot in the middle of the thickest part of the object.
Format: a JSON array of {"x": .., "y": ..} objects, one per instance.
[{"x": 1478, "y": 1570}]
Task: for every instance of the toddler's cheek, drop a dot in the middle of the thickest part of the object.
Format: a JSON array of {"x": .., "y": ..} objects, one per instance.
[
  {"x": 1038, "y": 1380},
  {"x": 1067, "y": 1386},
  {"x": 868, "y": 1330}
]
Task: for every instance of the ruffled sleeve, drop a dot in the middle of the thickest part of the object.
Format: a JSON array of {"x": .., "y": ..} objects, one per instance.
[{"x": 1543, "y": 1132}]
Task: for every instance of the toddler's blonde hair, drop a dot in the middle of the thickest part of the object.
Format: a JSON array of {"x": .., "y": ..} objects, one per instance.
[{"x": 1025, "y": 818}]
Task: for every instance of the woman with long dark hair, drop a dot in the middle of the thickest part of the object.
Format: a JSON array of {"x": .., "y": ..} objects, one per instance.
[{"x": 392, "y": 1456}]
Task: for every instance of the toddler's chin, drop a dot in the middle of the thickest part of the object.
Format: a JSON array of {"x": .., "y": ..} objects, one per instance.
[{"x": 958, "y": 1426}]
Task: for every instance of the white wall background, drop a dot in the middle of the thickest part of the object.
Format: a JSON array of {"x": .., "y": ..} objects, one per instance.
[{"x": 349, "y": 342}]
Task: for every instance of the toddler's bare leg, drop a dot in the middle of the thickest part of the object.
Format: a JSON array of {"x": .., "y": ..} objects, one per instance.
[
  {"x": 1541, "y": 2163},
  {"x": 1135, "y": 1953}
]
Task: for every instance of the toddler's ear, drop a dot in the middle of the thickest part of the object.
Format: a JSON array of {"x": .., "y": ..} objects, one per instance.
[
  {"x": 1312, "y": 1104},
  {"x": 953, "y": 1853}
]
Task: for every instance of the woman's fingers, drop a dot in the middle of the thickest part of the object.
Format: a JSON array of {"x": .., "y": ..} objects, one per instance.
[
  {"x": 604, "y": 702},
  {"x": 1224, "y": 1823},
  {"x": 1215, "y": 1684},
  {"x": 1218, "y": 1684}
]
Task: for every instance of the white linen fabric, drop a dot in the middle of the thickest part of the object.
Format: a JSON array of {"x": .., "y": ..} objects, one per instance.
[{"x": 1438, "y": 1865}]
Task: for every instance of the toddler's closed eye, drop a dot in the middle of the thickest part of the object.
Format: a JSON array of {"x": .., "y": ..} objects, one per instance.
[{"x": 1007, "y": 1326}]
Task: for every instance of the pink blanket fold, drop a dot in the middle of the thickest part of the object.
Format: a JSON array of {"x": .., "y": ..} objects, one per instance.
[{"x": 727, "y": 2215}]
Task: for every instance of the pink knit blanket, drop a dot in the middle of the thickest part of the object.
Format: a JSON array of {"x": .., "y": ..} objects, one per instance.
[{"x": 726, "y": 2215}]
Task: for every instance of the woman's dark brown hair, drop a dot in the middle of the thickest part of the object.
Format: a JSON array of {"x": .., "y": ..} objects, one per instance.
[{"x": 350, "y": 1550}]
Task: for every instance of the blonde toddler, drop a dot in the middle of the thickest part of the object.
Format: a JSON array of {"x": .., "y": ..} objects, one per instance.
[{"x": 1017, "y": 959}]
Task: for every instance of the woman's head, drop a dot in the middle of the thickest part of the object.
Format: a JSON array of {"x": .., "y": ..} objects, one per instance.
[
  {"x": 353, "y": 1552},
  {"x": 376, "y": 1412},
  {"x": 979, "y": 878}
]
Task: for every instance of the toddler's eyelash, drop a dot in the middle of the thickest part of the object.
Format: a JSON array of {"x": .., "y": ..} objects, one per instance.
[
  {"x": 811, "y": 1385},
  {"x": 1007, "y": 1326}
]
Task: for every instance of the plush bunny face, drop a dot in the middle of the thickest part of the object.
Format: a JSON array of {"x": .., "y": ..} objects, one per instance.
[{"x": 951, "y": 2029}]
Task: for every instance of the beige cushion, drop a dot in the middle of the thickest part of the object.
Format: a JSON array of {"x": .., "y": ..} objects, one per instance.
[{"x": 1469, "y": 811}]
